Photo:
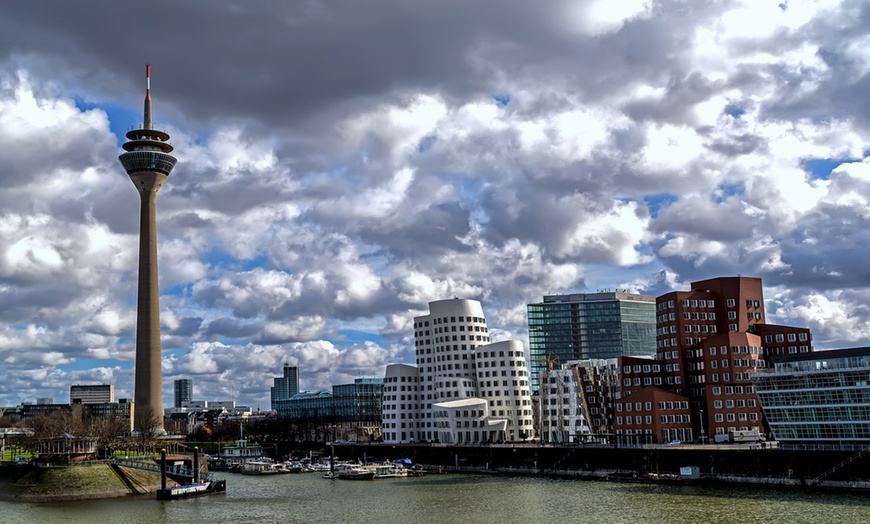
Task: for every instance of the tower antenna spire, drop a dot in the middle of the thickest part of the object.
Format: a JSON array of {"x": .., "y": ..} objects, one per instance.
[{"x": 147, "y": 120}]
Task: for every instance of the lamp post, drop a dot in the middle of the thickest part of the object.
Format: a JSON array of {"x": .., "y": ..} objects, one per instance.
[{"x": 703, "y": 435}]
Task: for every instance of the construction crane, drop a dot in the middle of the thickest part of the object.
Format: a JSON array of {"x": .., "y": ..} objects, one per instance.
[{"x": 543, "y": 389}]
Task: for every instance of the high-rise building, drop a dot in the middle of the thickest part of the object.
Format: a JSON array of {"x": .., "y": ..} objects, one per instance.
[
  {"x": 91, "y": 393},
  {"x": 580, "y": 326},
  {"x": 148, "y": 162},
  {"x": 183, "y": 391},
  {"x": 464, "y": 389},
  {"x": 711, "y": 340},
  {"x": 286, "y": 385}
]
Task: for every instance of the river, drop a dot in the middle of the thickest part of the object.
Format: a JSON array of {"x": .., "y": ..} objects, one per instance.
[{"x": 306, "y": 498}]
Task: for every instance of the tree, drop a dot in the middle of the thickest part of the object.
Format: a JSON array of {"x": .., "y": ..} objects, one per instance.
[
  {"x": 149, "y": 425},
  {"x": 106, "y": 430},
  {"x": 56, "y": 423}
]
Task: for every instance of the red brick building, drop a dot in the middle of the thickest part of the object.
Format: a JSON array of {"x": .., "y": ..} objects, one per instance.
[
  {"x": 709, "y": 342},
  {"x": 711, "y": 339}
]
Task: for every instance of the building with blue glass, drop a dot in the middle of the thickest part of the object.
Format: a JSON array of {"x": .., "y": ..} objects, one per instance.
[
  {"x": 350, "y": 412},
  {"x": 581, "y": 326},
  {"x": 819, "y": 397},
  {"x": 286, "y": 385}
]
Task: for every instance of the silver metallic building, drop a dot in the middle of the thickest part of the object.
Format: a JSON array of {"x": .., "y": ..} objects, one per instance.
[{"x": 818, "y": 397}]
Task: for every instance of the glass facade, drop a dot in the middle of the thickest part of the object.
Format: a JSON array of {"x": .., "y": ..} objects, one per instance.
[
  {"x": 589, "y": 326},
  {"x": 821, "y": 397},
  {"x": 183, "y": 389},
  {"x": 357, "y": 402}
]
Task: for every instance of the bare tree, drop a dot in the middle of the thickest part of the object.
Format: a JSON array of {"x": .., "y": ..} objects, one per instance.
[
  {"x": 55, "y": 423},
  {"x": 149, "y": 425},
  {"x": 107, "y": 431}
]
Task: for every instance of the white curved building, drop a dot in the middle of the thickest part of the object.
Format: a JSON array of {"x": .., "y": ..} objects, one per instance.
[{"x": 456, "y": 362}]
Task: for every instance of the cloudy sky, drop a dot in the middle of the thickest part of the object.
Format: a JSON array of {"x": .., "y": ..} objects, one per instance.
[{"x": 341, "y": 163}]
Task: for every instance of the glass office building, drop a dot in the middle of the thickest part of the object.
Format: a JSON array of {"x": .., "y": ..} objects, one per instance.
[
  {"x": 347, "y": 403},
  {"x": 817, "y": 397},
  {"x": 563, "y": 328}
]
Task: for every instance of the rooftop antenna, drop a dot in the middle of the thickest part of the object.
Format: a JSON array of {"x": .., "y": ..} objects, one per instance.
[{"x": 148, "y": 124}]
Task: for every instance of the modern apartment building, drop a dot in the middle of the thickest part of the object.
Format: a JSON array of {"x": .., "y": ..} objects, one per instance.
[
  {"x": 578, "y": 326},
  {"x": 711, "y": 340},
  {"x": 286, "y": 385},
  {"x": 183, "y": 391},
  {"x": 464, "y": 389},
  {"x": 820, "y": 397},
  {"x": 91, "y": 393}
]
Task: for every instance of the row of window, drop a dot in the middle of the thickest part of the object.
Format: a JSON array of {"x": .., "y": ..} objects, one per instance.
[
  {"x": 443, "y": 320},
  {"x": 648, "y": 420},
  {"x": 732, "y": 403}
]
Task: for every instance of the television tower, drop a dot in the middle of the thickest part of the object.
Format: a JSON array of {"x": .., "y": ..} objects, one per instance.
[{"x": 148, "y": 162}]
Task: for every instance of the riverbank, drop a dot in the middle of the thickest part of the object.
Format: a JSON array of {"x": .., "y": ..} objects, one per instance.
[
  {"x": 721, "y": 465},
  {"x": 71, "y": 483}
]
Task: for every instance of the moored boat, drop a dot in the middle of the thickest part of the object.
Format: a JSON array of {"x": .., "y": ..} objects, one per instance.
[
  {"x": 356, "y": 473},
  {"x": 388, "y": 470},
  {"x": 206, "y": 487},
  {"x": 259, "y": 467}
]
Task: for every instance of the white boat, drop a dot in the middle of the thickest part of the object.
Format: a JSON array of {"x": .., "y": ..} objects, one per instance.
[
  {"x": 356, "y": 473},
  {"x": 241, "y": 452},
  {"x": 259, "y": 467},
  {"x": 388, "y": 470}
]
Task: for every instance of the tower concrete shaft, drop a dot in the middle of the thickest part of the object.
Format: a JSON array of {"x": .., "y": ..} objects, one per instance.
[{"x": 148, "y": 163}]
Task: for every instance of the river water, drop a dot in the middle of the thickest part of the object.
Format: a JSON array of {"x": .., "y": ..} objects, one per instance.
[{"x": 307, "y": 498}]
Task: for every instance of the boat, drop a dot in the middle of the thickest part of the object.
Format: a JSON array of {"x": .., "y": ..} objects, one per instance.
[
  {"x": 413, "y": 470},
  {"x": 216, "y": 463},
  {"x": 356, "y": 473},
  {"x": 259, "y": 467},
  {"x": 241, "y": 452},
  {"x": 388, "y": 470},
  {"x": 205, "y": 487}
]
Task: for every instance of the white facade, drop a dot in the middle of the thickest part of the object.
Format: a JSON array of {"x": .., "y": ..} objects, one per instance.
[
  {"x": 561, "y": 414},
  {"x": 401, "y": 403},
  {"x": 457, "y": 362},
  {"x": 92, "y": 393}
]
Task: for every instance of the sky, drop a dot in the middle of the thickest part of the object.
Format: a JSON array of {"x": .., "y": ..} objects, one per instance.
[{"x": 343, "y": 163}]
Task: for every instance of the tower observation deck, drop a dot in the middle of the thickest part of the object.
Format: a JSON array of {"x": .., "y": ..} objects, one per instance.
[{"x": 148, "y": 162}]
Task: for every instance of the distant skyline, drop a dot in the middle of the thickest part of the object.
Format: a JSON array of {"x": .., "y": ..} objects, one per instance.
[{"x": 341, "y": 164}]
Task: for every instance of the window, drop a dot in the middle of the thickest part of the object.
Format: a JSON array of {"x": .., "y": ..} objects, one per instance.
[{"x": 730, "y": 302}]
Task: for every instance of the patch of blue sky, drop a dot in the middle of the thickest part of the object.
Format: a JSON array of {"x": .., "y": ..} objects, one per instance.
[
  {"x": 85, "y": 364},
  {"x": 502, "y": 99},
  {"x": 426, "y": 143},
  {"x": 220, "y": 259},
  {"x": 725, "y": 191},
  {"x": 471, "y": 187},
  {"x": 657, "y": 202},
  {"x": 821, "y": 168},
  {"x": 121, "y": 118},
  {"x": 352, "y": 337},
  {"x": 734, "y": 110}
]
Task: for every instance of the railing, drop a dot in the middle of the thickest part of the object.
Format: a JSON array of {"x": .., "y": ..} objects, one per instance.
[
  {"x": 173, "y": 470},
  {"x": 839, "y": 466}
]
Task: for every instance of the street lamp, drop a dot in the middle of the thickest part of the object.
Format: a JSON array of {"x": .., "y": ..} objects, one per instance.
[{"x": 703, "y": 435}]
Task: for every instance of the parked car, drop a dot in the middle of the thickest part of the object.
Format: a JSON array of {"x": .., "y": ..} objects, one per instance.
[{"x": 674, "y": 443}]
